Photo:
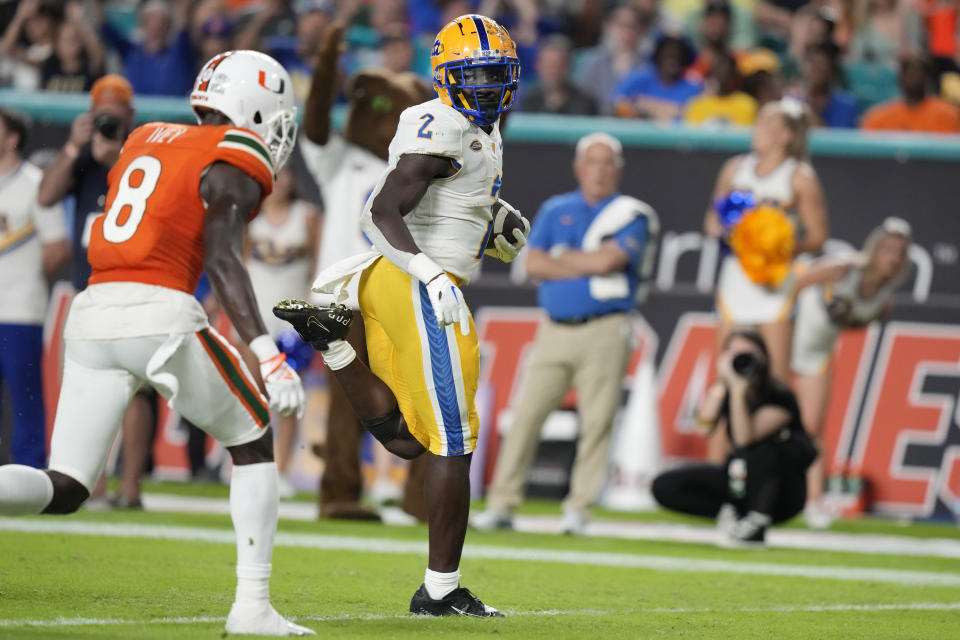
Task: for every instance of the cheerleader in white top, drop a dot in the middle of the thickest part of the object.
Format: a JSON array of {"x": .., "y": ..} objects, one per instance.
[
  {"x": 281, "y": 254},
  {"x": 756, "y": 287},
  {"x": 837, "y": 293}
]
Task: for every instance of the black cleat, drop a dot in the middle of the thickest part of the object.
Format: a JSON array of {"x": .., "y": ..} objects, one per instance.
[
  {"x": 317, "y": 325},
  {"x": 459, "y": 602}
]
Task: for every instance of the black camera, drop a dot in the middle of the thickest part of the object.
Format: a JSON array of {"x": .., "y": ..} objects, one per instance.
[
  {"x": 747, "y": 365},
  {"x": 109, "y": 126}
]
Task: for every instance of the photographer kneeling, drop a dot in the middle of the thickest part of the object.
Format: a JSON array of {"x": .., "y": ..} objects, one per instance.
[{"x": 763, "y": 481}]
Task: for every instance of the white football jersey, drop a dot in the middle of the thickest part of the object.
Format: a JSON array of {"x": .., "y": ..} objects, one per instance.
[
  {"x": 775, "y": 188},
  {"x": 451, "y": 222},
  {"x": 25, "y": 227}
]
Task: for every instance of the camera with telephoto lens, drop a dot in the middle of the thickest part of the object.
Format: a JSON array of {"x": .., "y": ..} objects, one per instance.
[
  {"x": 109, "y": 126},
  {"x": 746, "y": 365}
]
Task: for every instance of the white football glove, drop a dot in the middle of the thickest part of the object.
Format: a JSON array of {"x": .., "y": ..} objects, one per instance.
[
  {"x": 504, "y": 250},
  {"x": 445, "y": 296},
  {"x": 448, "y": 303},
  {"x": 282, "y": 382}
]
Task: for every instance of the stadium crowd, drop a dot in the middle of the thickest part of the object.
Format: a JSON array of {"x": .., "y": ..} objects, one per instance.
[{"x": 877, "y": 64}]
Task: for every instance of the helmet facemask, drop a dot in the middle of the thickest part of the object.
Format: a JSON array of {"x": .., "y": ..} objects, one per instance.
[
  {"x": 280, "y": 134},
  {"x": 481, "y": 88}
]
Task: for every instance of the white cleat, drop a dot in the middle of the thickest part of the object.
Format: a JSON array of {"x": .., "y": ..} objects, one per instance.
[
  {"x": 574, "y": 523},
  {"x": 384, "y": 492},
  {"x": 817, "y": 515},
  {"x": 285, "y": 489},
  {"x": 261, "y": 619},
  {"x": 491, "y": 519}
]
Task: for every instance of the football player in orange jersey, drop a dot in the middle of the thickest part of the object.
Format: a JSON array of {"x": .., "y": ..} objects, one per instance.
[{"x": 179, "y": 199}]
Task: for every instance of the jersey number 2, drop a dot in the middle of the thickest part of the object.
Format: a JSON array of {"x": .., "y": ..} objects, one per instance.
[
  {"x": 424, "y": 132},
  {"x": 132, "y": 198}
]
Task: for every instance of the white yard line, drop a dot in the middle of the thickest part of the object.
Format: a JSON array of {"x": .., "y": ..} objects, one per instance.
[
  {"x": 388, "y": 546},
  {"x": 786, "y": 538},
  {"x": 907, "y": 606}
]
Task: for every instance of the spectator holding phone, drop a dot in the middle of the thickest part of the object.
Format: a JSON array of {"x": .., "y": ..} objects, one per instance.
[{"x": 763, "y": 480}]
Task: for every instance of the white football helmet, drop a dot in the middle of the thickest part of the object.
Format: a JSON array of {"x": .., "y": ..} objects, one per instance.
[{"x": 255, "y": 92}]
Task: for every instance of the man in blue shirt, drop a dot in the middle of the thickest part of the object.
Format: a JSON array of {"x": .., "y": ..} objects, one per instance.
[
  {"x": 658, "y": 92},
  {"x": 591, "y": 249},
  {"x": 158, "y": 64}
]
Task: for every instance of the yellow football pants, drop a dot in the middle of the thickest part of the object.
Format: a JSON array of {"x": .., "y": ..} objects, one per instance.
[{"x": 433, "y": 372}]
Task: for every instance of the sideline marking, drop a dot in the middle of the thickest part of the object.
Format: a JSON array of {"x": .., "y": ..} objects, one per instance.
[
  {"x": 868, "y": 543},
  {"x": 361, "y": 617},
  {"x": 590, "y": 558}
]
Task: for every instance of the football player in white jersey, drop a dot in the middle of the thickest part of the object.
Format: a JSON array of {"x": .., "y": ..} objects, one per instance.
[{"x": 429, "y": 220}]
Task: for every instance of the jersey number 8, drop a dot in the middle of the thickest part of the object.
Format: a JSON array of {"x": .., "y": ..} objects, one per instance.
[{"x": 132, "y": 198}]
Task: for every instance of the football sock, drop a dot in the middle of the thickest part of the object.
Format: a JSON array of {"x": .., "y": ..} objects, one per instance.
[
  {"x": 338, "y": 354},
  {"x": 253, "y": 509},
  {"x": 440, "y": 584},
  {"x": 24, "y": 490}
]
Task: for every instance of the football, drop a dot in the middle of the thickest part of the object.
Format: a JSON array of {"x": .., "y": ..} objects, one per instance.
[{"x": 505, "y": 220}]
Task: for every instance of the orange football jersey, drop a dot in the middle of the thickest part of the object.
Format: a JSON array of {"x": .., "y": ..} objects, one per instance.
[{"x": 152, "y": 227}]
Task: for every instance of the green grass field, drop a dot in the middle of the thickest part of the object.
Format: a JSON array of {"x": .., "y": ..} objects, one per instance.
[{"x": 148, "y": 575}]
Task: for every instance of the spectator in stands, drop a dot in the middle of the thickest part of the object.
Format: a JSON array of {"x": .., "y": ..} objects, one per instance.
[
  {"x": 297, "y": 54},
  {"x": 760, "y": 71},
  {"x": 33, "y": 247},
  {"x": 590, "y": 248},
  {"x": 916, "y": 109},
  {"x": 775, "y": 21},
  {"x": 889, "y": 27},
  {"x": 275, "y": 19},
  {"x": 659, "y": 19},
  {"x": 161, "y": 62},
  {"x": 941, "y": 17},
  {"x": 396, "y": 49},
  {"x": 215, "y": 36},
  {"x": 658, "y": 92},
  {"x": 619, "y": 52},
  {"x": 829, "y": 105},
  {"x": 722, "y": 102},
  {"x": 812, "y": 27},
  {"x": 77, "y": 59},
  {"x": 80, "y": 171},
  {"x": 742, "y": 28},
  {"x": 29, "y": 40},
  {"x": 554, "y": 93},
  {"x": 715, "y": 36},
  {"x": 763, "y": 480}
]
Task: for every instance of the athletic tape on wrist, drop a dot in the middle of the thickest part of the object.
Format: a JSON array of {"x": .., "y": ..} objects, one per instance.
[
  {"x": 264, "y": 348},
  {"x": 423, "y": 268},
  {"x": 338, "y": 354}
]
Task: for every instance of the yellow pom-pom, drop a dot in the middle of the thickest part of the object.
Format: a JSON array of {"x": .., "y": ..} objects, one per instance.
[{"x": 763, "y": 240}]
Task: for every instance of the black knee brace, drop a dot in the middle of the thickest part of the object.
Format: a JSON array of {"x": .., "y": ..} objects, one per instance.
[{"x": 385, "y": 428}]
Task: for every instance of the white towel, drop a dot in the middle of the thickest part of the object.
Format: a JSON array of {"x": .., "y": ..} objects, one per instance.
[
  {"x": 334, "y": 279},
  {"x": 620, "y": 212}
]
